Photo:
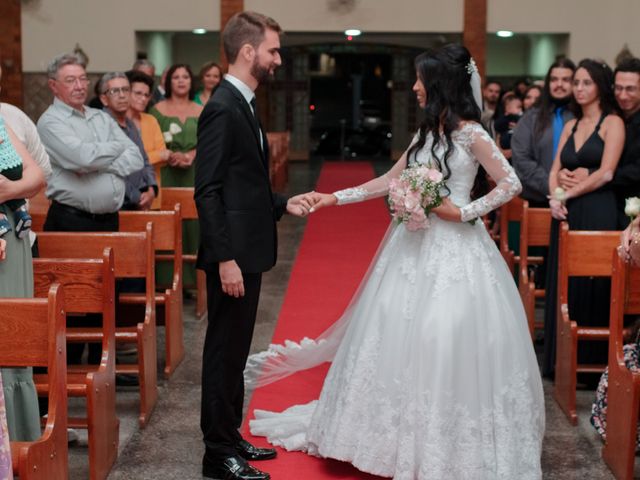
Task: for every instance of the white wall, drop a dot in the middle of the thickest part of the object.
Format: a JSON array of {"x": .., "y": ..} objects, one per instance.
[
  {"x": 367, "y": 15},
  {"x": 105, "y": 29},
  {"x": 596, "y": 28}
]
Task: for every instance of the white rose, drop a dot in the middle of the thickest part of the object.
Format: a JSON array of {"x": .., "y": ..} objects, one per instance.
[
  {"x": 559, "y": 194},
  {"x": 174, "y": 129},
  {"x": 632, "y": 207},
  {"x": 168, "y": 138}
]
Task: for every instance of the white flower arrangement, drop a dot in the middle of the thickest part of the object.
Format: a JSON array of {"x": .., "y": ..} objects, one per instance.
[
  {"x": 632, "y": 207},
  {"x": 174, "y": 129}
]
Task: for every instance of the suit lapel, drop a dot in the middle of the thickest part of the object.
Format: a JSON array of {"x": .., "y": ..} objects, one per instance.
[{"x": 251, "y": 120}]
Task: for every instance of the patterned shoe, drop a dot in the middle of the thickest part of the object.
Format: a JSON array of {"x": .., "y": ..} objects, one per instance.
[
  {"x": 23, "y": 222},
  {"x": 5, "y": 226}
]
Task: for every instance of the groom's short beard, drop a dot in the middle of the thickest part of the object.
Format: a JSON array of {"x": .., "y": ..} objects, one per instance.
[{"x": 260, "y": 73}]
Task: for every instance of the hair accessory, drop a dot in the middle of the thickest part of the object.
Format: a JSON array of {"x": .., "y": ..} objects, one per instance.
[{"x": 472, "y": 67}]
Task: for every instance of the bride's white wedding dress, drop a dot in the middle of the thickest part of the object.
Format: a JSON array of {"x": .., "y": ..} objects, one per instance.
[{"x": 434, "y": 374}]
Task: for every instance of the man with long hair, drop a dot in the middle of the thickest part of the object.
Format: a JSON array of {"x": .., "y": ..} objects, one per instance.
[{"x": 535, "y": 139}]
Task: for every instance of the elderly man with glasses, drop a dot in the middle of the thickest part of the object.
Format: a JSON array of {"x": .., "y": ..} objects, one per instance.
[
  {"x": 141, "y": 186},
  {"x": 91, "y": 159}
]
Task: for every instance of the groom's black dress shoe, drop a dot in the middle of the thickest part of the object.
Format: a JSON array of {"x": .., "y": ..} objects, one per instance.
[
  {"x": 249, "y": 452},
  {"x": 232, "y": 468}
]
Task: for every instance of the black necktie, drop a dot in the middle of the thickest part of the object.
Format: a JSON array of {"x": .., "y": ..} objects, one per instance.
[{"x": 255, "y": 118}]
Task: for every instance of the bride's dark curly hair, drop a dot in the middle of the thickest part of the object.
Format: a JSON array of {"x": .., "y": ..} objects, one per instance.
[{"x": 449, "y": 100}]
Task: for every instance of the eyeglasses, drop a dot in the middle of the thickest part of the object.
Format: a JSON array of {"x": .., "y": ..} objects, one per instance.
[
  {"x": 629, "y": 89},
  {"x": 112, "y": 92},
  {"x": 137, "y": 93},
  {"x": 71, "y": 81}
]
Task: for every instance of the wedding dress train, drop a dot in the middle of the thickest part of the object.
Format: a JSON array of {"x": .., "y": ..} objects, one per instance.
[{"x": 433, "y": 375}]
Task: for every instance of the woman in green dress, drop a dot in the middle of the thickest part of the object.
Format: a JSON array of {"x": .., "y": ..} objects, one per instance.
[
  {"x": 210, "y": 77},
  {"x": 16, "y": 281},
  {"x": 178, "y": 119}
]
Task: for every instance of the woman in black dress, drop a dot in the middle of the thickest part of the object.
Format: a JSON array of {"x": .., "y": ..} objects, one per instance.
[{"x": 593, "y": 140}]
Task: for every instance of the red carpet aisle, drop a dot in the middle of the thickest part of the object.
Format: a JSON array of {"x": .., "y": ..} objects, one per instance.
[{"x": 336, "y": 249}]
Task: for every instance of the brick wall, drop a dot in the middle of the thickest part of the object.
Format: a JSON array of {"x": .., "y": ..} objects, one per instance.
[
  {"x": 11, "y": 52},
  {"x": 228, "y": 8},
  {"x": 475, "y": 31}
]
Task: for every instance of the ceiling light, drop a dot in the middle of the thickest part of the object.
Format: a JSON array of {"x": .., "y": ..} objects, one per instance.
[
  {"x": 199, "y": 31},
  {"x": 504, "y": 33},
  {"x": 352, "y": 32}
]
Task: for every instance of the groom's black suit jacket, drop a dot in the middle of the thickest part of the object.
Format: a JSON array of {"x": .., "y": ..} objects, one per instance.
[{"x": 236, "y": 207}]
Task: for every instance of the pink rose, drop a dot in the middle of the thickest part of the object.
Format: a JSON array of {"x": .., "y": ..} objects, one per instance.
[
  {"x": 434, "y": 175},
  {"x": 412, "y": 200}
]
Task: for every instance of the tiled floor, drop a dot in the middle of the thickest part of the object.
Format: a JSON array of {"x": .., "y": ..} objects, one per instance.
[{"x": 171, "y": 448}]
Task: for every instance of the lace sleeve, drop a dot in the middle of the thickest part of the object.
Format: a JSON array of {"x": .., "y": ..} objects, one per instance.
[
  {"x": 507, "y": 183},
  {"x": 378, "y": 187}
]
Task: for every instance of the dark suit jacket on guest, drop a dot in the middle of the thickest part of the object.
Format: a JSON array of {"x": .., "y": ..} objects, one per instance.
[{"x": 236, "y": 207}]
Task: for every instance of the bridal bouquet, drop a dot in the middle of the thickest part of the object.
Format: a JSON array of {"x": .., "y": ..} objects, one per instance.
[{"x": 414, "y": 194}]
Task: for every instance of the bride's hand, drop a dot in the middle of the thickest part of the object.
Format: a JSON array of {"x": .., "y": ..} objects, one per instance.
[
  {"x": 448, "y": 211},
  {"x": 323, "y": 200}
]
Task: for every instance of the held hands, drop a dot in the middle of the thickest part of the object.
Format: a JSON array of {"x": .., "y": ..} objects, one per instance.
[
  {"x": 448, "y": 211},
  {"x": 303, "y": 204},
  {"x": 570, "y": 178},
  {"x": 180, "y": 159},
  {"x": 231, "y": 279},
  {"x": 3, "y": 249},
  {"x": 323, "y": 200}
]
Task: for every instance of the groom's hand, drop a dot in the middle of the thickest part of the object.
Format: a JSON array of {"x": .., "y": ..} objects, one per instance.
[
  {"x": 322, "y": 200},
  {"x": 300, "y": 205},
  {"x": 231, "y": 279}
]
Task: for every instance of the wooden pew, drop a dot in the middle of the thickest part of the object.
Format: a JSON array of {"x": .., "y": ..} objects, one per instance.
[
  {"x": 581, "y": 253},
  {"x": 278, "y": 159},
  {"x": 509, "y": 212},
  {"x": 167, "y": 238},
  {"x": 32, "y": 334},
  {"x": 535, "y": 231},
  {"x": 37, "y": 220},
  {"x": 133, "y": 256},
  {"x": 623, "y": 395},
  {"x": 184, "y": 196},
  {"x": 89, "y": 286}
]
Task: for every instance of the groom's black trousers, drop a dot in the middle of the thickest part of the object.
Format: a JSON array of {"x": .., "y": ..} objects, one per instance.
[{"x": 226, "y": 347}]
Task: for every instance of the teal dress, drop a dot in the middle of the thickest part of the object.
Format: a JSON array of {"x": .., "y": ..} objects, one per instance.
[
  {"x": 16, "y": 281},
  {"x": 183, "y": 141}
]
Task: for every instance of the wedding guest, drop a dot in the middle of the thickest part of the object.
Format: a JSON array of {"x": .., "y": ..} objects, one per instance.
[
  {"x": 490, "y": 97},
  {"x": 147, "y": 125},
  {"x": 531, "y": 96},
  {"x": 90, "y": 157},
  {"x": 27, "y": 133},
  {"x": 210, "y": 76},
  {"x": 535, "y": 138},
  {"x": 141, "y": 187},
  {"x": 594, "y": 141},
  {"x": 145, "y": 66},
  {"x": 626, "y": 181},
  {"x": 504, "y": 125},
  {"x": 16, "y": 281},
  {"x": 178, "y": 119}
]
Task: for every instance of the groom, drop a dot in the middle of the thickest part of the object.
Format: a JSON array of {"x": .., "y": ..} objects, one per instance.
[{"x": 238, "y": 236}]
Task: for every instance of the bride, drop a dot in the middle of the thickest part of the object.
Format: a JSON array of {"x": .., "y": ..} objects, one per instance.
[{"x": 433, "y": 372}]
